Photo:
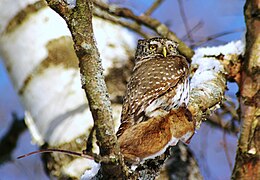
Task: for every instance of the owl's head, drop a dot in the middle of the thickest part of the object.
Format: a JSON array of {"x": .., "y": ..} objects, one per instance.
[{"x": 155, "y": 47}]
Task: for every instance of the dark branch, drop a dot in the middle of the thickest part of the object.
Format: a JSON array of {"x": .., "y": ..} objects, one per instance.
[
  {"x": 56, "y": 150},
  {"x": 9, "y": 140}
]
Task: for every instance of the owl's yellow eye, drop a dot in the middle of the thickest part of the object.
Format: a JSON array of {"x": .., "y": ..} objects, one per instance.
[
  {"x": 153, "y": 47},
  {"x": 170, "y": 47}
]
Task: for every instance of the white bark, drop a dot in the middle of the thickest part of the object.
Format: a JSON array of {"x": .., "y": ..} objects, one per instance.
[
  {"x": 209, "y": 77},
  {"x": 49, "y": 83}
]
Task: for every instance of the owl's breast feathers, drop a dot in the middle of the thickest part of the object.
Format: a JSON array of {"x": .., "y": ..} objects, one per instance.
[{"x": 151, "y": 107}]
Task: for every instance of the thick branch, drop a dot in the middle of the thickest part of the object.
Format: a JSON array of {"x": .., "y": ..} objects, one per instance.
[
  {"x": 147, "y": 21},
  {"x": 208, "y": 82},
  {"x": 208, "y": 93},
  {"x": 247, "y": 158},
  {"x": 79, "y": 20}
]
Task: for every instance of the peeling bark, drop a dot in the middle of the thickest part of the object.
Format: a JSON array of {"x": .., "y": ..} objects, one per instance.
[{"x": 247, "y": 158}]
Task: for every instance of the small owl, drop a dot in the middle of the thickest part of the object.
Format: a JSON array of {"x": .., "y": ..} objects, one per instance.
[{"x": 154, "y": 113}]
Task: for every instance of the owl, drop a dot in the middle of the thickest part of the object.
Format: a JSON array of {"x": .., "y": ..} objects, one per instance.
[{"x": 154, "y": 114}]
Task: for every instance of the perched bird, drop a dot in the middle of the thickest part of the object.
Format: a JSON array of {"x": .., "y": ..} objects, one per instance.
[{"x": 154, "y": 114}]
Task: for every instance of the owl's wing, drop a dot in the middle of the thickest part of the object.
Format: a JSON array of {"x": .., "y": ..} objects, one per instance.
[
  {"x": 157, "y": 101},
  {"x": 151, "y": 82}
]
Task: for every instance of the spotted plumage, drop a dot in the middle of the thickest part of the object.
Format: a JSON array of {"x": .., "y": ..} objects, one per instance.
[{"x": 159, "y": 83}]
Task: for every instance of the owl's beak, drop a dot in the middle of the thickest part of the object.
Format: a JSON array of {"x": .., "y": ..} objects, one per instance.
[{"x": 164, "y": 51}]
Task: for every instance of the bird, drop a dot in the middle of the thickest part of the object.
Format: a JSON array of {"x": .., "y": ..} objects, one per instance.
[{"x": 154, "y": 112}]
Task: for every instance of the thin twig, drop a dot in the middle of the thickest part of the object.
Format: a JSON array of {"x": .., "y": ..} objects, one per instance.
[
  {"x": 192, "y": 30},
  {"x": 185, "y": 22},
  {"x": 228, "y": 108},
  {"x": 72, "y": 153},
  {"x": 153, "y": 7},
  {"x": 133, "y": 26},
  {"x": 215, "y": 36},
  {"x": 155, "y": 25},
  {"x": 214, "y": 120},
  {"x": 226, "y": 151}
]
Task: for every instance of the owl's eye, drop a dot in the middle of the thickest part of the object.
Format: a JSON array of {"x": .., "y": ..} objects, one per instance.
[
  {"x": 153, "y": 47},
  {"x": 171, "y": 47}
]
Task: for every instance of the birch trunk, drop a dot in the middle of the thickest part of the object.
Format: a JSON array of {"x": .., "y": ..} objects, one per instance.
[{"x": 38, "y": 52}]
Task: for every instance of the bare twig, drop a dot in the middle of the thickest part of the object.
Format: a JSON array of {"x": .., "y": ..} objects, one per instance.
[
  {"x": 216, "y": 121},
  {"x": 153, "y": 7},
  {"x": 147, "y": 21},
  {"x": 185, "y": 22},
  {"x": 228, "y": 108},
  {"x": 215, "y": 36},
  {"x": 71, "y": 153},
  {"x": 133, "y": 26},
  {"x": 193, "y": 29},
  {"x": 225, "y": 146}
]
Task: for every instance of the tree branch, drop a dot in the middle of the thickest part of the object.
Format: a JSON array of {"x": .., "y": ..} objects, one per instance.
[
  {"x": 219, "y": 120},
  {"x": 153, "y": 7},
  {"x": 9, "y": 140},
  {"x": 133, "y": 26},
  {"x": 185, "y": 22},
  {"x": 206, "y": 95},
  {"x": 248, "y": 151},
  {"x": 79, "y": 20},
  {"x": 149, "y": 22},
  {"x": 215, "y": 36},
  {"x": 195, "y": 28},
  {"x": 210, "y": 69}
]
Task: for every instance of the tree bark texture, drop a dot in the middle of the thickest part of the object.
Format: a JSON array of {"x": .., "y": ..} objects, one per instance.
[
  {"x": 247, "y": 159},
  {"x": 38, "y": 53},
  {"x": 79, "y": 20}
]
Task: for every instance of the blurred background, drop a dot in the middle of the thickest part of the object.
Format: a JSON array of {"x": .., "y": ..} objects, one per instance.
[{"x": 198, "y": 23}]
